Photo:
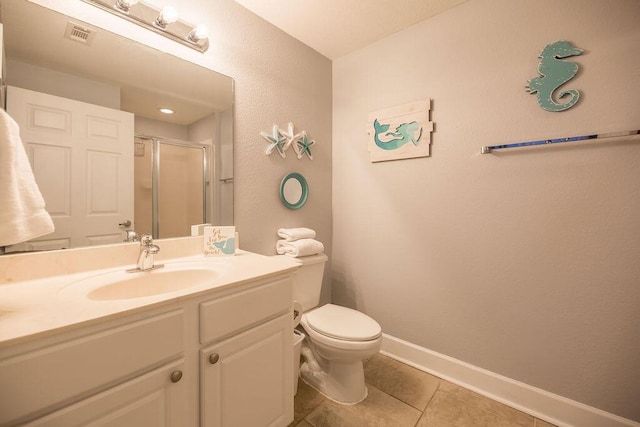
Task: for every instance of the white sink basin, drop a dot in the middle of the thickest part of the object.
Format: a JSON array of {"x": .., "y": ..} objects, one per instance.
[{"x": 118, "y": 285}]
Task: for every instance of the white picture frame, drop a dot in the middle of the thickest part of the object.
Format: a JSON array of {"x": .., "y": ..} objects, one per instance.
[{"x": 400, "y": 132}]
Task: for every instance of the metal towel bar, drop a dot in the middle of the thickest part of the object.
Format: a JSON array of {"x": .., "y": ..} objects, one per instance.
[{"x": 487, "y": 149}]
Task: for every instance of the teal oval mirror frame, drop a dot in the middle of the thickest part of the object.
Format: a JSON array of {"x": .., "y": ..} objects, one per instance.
[{"x": 294, "y": 190}]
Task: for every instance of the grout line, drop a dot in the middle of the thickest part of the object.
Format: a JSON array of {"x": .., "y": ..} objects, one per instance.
[{"x": 420, "y": 411}]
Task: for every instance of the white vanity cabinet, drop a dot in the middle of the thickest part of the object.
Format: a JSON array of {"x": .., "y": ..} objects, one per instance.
[
  {"x": 113, "y": 374},
  {"x": 157, "y": 398},
  {"x": 91, "y": 372},
  {"x": 222, "y": 357},
  {"x": 246, "y": 378}
]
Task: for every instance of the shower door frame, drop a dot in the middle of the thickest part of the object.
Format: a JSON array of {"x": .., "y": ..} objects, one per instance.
[{"x": 155, "y": 176}]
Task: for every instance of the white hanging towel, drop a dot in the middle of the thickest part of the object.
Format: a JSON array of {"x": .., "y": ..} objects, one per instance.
[
  {"x": 291, "y": 234},
  {"x": 299, "y": 248},
  {"x": 22, "y": 213}
]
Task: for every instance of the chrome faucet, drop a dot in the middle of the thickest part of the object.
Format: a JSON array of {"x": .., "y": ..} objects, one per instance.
[{"x": 147, "y": 251}]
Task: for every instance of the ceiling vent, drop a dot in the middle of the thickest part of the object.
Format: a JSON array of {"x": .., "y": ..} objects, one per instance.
[{"x": 79, "y": 33}]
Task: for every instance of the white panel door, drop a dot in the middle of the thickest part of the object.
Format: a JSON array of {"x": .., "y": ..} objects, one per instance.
[{"x": 82, "y": 159}]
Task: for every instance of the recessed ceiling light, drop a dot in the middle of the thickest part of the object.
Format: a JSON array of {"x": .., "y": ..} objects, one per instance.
[{"x": 166, "y": 110}]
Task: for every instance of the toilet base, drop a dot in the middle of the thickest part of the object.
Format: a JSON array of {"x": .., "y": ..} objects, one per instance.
[{"x": 341, "y": 382}]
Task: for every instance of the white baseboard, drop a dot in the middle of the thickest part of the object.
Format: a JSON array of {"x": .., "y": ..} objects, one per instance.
[{"x": 539, "y": 403}]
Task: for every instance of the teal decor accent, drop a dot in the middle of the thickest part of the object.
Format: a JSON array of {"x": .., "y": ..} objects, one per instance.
[
  {"x": 294, "y": 190},
  {"x": 404, "y": 133},
  {"x": 400, "y": 132},
  {"x": 277, "y": 142},
  {"x": 303, "y": 146},
  {"x": 227, "y": 247},
  {"x": 291, "y": 136},
  {"x": 219, "y": 240},
  {"x": 280, "y": 140},
  {"x": 554, "y": 73}
]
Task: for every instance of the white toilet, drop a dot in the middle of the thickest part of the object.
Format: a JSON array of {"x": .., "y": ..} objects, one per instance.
[{"x": 338, "y": 338}]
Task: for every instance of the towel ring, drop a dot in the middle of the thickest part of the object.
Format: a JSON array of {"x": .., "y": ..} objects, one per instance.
[{"x": 294, "y": 190}]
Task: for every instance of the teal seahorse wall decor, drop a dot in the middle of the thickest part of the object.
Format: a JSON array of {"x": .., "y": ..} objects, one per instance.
[
  {"x": 404, "y": 133},
  {"x": 554, "y": 72}
]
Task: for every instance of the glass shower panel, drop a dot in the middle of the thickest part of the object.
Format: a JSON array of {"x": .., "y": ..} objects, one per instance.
[
  {"x": 181, "y": 187},
  {"x": 143, "y": 185}
]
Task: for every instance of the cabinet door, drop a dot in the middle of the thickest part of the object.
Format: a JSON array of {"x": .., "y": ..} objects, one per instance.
[
  {"x": 153, "y": 399},
  {"x": 247, "y": 380}
]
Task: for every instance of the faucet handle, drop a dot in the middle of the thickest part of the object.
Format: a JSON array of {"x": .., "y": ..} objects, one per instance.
[
  {"x": 131, "y": 236},
  {"x": 146, "y": 240}
]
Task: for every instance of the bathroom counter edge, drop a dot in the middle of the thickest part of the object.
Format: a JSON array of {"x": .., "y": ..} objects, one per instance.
[{"x": 34, "y": 309}]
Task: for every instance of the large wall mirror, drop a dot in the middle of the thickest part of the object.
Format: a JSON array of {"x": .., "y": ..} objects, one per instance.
[{"x": 105, "y": 157}]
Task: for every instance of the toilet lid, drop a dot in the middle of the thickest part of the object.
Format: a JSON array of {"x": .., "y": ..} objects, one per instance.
[{"x": 343, "y": 323}]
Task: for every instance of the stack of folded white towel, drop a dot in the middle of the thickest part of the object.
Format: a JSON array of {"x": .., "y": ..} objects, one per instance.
[{"x": 298, "y": 242}]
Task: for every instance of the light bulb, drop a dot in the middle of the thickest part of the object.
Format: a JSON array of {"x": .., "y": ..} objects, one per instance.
[
  {"x": 168, "y": 16},
  {"x": 200, "y": 32},
  {"x": 124, "y": 5}
]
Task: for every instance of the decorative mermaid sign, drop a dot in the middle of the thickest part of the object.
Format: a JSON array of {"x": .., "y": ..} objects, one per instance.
[
  {"x": 406, "y": 132},
  {"x": 554, "y": 72},
  {"x": 400, "y": 132}
]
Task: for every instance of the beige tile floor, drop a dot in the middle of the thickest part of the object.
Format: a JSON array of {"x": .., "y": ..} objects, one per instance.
[{"x": 400, "y": 395}]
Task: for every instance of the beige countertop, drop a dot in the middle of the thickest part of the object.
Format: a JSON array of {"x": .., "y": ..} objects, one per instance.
[{"x": 34, "y": 308}]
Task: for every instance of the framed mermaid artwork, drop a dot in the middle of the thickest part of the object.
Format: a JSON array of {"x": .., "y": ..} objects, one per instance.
[{"x": 400, "y": 132}]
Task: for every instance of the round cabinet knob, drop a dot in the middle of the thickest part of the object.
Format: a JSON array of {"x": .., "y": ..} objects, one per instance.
[
  {"x": 176, "y": 376},
  {"x": 213, "y": 358}
]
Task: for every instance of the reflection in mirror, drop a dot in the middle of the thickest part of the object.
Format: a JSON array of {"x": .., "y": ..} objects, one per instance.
[
  {"x": 157, "y": 199},
  {"x": 294, "y": 190},
  {"x": 88, "y": 104}
]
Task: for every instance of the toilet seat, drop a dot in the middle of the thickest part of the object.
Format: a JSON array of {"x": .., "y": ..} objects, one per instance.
[{"x": 342, "y": 323}]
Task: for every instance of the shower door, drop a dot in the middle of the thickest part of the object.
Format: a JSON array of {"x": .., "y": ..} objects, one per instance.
[{"x": 171, "y": 186}]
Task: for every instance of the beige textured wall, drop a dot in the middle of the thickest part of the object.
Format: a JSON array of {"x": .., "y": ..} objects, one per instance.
[
  {"x": 526, "y": 262},
  {"x": 277, "y": 80}
]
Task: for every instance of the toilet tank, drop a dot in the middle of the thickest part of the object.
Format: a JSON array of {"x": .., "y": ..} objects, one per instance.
[{"x": 307, "y": 281}]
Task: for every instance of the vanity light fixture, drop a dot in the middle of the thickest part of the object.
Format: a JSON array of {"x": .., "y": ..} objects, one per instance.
[
  {"x": 125, "y": 5},
  {"x": 167, "y": 16},
  {"x": 165, "y": 21},
  {"x": 200, "y": 32}
]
